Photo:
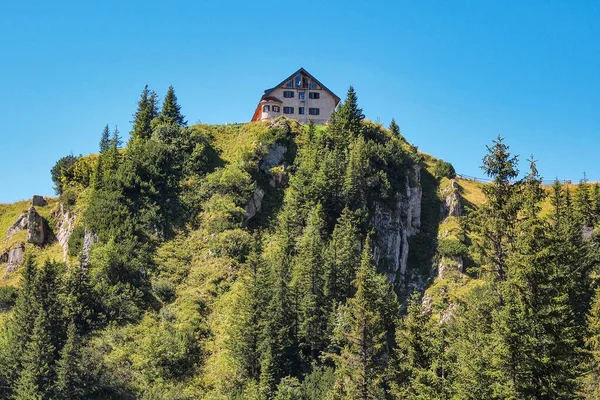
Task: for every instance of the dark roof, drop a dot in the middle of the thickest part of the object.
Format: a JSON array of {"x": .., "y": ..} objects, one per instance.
[
  {"x": 270, "y": 98},
  {"x": 302, "y": 70}
]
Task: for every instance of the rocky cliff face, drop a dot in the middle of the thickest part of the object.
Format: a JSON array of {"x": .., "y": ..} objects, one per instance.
[
  {"x": 394, "y": 226},
  {"x": 64, "y": 225},
  {"x": 35, "y": 225}
]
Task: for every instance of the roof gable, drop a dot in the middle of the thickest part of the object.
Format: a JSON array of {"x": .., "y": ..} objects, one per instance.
[{"x": 293, "y": 82}]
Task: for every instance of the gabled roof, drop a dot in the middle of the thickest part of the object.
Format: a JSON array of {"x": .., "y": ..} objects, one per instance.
[{"x": 302, "y": 70}]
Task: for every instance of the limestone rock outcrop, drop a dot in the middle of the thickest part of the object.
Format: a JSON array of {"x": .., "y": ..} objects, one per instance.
[
  {"x": 89, "y": 239},
  {"x": 35, "y": 225},
  {"x": 451, "y": 205},
  {"x": 255, "y": 203},
  {"x": 394, "y": 227},
  {"x": 38, "y": 201},
  {"x": 13, "y": 257},
  {"x": 64, "y": 225}
]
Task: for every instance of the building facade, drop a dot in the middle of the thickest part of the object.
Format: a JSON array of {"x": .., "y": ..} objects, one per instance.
[{"x": 300, "y": 96}]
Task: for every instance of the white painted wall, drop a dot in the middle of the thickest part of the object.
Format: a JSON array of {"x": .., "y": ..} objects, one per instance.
[{"x": 326, "y": 104}]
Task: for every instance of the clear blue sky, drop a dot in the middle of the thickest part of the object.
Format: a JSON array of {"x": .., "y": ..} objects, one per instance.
[{"x": 453, "y": 74}]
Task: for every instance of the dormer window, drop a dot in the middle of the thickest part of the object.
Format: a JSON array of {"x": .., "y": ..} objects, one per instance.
[{"x": 266, "y": 108}]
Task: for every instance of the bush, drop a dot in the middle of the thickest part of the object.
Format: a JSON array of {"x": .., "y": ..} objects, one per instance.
[
  {"x": 76, "y": 241},
  {"x": 61, "y": 171},
  {"x": 165, "y": 290},
  {"x": 8, "y": 297},
  {"x": 443, "y": 169},
  {"x": 451, "y": 248},
  {"x": 233, "y": 243}
]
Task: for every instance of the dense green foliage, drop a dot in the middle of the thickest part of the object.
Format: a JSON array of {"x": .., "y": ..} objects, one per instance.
[{"x": 247, "y": 262}]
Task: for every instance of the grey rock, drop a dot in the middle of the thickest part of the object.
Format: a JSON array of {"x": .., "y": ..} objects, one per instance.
[
  {"x": 281, "y": 122},
  {"x": 20, "y": 224},
  {"x": 38, "y": 201},
  {"x": 13, "y": 257},
  {"x": 255, "y": 203},
  {"x": 587, "y": 232},
  {"x": 89, "y": 239},
  {"x": 444, "y": 266},
  {"x": 64, "y": 225},
  {"x": 395, "y": 226},
  {"x": 273, "y": 158},
  {"x": 451, "y": 205},
  {"x": 36, "y": 227}
]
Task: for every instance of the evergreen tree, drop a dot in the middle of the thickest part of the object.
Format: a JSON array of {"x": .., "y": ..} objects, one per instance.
[
  {"x": 591, "y": 380},
  {"x": 171, "y": 111},
  {"x": 350, "y": 115},
  {"x": 246, "y": 328},
  {"x": 79, "y": 299},
  {"x": 343, "y": 254},
  {"x": 145, "y": 113},
  {"x": 356, "y": 183},
  {"x": 47, "y": 296},
  {"x": 105, "y": 140},
  {"x": 308, "y": 285},
  {"x": 69, "y": 385},
  {"x": 35, "y": 380},
  {"x": 583, "y": 204},
  {"x": 362, "y": 331},
  {"x": 394, "y": 128},
  {"x": 495, "y": 220}
]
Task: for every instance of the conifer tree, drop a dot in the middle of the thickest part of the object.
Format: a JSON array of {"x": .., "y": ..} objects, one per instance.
[
  {"x": 36, "y": 378},
  {"x": 79, "y": 299},
  {"x": 47, "y": 295},
  {"x": 308, "y": 285},
  {"x": 246, "y": 329},
  {"x": 591, "y": 380},
  {"x": 355, "y": 180},
  {"x": 362, "y": 332},
  {"x": 171, "y": 110},
  {"x": 350, "y": 115},
  {"x": 68, "y": 368},
  {"x": 105, "y": 140},
  {"x": 496, "y": 218},
  {"x": 583, "y": 204},
  {"x": 394, "y": 128},
  {"x": 145, "y": 113},
  {"x": 343, "y": 254}
]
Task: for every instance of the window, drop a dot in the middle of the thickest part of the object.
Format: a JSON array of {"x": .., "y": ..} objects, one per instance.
[
  {"x": 288, "y": 94},
  {"x": 314, "y": 86},
  {"x": 289, "y": 84},
  {"x": 313, "y": 111},
  {"x": 301, "y": 95},
  {"x": 275, "y": 108},
  {"x": 301, "y": 110},
  {"x": 288, "y": 110},
  {"x": 314, "y": 95},
  {"x": 266, "y": 108},
  {"x": 298, "y": 80}
]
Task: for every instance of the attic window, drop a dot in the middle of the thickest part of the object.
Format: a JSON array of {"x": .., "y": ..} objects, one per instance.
[
  {"x": 298, "y": 80},
  {"x": 314, "y": 85},
  {"x": 266, "y": 108},
  {"x": 289, "y": 84}
]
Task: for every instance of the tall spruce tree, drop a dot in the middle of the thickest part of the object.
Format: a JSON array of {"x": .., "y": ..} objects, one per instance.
[
  {"x": 69, "y": 384},
  {"x": 343, "y": 255},
  {"x": 495, "y": 220},
  {"x": 36, "y": 378},
  {"x": 105, "y": 139},
  {"x": 147, "y": 110},
  {"x": 591, "y": 380},
  {"x": 171, "y": 110},
  {"x": 362, "y": 331},
  {"x": 308, "y": 285}
]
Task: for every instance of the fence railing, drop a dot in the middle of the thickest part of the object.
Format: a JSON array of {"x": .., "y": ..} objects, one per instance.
[{"x": 544, "y": 181}]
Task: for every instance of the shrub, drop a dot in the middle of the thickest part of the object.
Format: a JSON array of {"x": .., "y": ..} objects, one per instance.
[
  {"x": 76, "y": 241},
  {"x": 233, "y": 243},
  {"x": 165, "y": 290},
  {"x": 451, "y": 248},
  {"x": 8, "y": 297},
  {"x": 443, "y": 169}
]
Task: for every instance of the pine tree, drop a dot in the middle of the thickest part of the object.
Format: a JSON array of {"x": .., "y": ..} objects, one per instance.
[
  {"x": 591, "y": 381},
  {"x": 394, "y": 128},
  {"x": 583, "y": 204},
  {"x": 171, "y": 111},
  {"x": 69, "y": 385},
  {"x": 146, "y": 112},
  {"x": 355, "y": 180},
  {"x": 343, "y": 254},
  {"x": 105, "y": 139},
  {"x": 495, "y": 220},
  {"x": 79, "y": 299},
  {"x": 362, "y": 331},
  {"x": 245, "y": 331},
  {"x": 350, "y": 115},
  {"x": 308, "y": 286},
  {"x": 35, "y": 381},
  {"x": 47, "y": 295}
]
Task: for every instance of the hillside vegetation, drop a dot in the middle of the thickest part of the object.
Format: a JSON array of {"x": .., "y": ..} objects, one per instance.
[{"x": 274, "y": 260}]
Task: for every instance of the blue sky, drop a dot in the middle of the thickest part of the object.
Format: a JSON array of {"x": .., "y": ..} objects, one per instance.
[{"x": 453, "y": 74}]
